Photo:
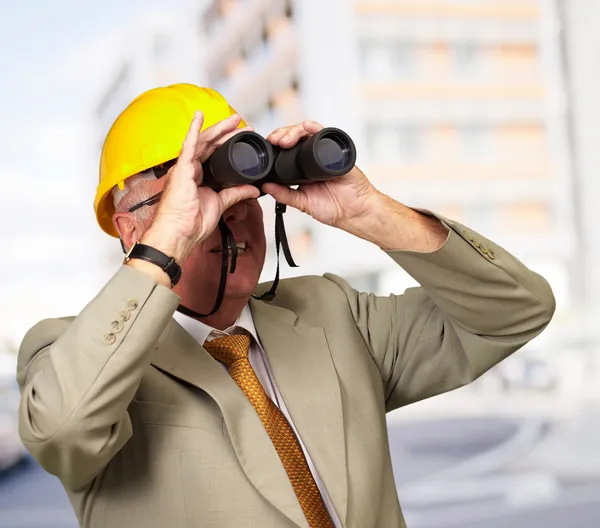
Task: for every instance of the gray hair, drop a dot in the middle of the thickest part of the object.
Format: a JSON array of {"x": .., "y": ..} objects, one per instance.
[{"x": 138, "y": 193}]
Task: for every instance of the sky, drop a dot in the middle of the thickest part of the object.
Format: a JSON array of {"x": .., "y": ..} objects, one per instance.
[{"x": 56, "y": 58}]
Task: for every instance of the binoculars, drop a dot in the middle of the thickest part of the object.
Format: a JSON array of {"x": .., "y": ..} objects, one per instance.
[{"x": 248, "y": 158}]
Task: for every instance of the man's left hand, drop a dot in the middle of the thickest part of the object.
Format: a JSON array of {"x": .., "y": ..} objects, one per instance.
[
  {"x": 352, "y": 203},
  {"x": 334, "y": 202}
]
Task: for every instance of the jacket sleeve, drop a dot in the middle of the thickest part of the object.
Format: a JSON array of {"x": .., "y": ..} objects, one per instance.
[
  {"x": 78, "y": 376},
  {"x": 476, "y": 305}
]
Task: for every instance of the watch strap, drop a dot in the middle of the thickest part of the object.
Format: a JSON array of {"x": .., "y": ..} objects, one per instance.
[{"x": 156, "y": 257}]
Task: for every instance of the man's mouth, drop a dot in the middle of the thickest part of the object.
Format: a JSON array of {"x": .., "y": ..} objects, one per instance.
[{"x": 240, "y": 245}]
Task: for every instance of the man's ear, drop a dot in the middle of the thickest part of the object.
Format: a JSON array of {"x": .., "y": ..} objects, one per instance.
[{"x": 127, "y": 229}]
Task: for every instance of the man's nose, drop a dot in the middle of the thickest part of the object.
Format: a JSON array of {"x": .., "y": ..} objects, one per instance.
[{"x": 236, "y": 213}]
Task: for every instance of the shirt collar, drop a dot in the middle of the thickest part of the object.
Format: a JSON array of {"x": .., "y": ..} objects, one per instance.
[{"x": 201, "y": 331}]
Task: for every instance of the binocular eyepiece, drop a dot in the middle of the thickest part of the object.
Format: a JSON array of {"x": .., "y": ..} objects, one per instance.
[{"x": 248, "y": 158}]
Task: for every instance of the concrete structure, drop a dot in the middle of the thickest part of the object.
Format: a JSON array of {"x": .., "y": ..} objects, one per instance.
[
  {"x": 453, "y": 106},
  {"x": 163, "y": 48},
  {"x": 575, "y": 23}
]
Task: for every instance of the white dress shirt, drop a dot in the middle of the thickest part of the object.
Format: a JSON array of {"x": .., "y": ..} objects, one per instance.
[{"x": 202, "y": 332}]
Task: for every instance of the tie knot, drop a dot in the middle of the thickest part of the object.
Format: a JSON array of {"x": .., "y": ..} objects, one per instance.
[{"x": 229, "y": 349}]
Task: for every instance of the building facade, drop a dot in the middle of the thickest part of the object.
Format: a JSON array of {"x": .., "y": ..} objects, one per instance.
[
  {"x": 452, "y": 105},
  {"x": 163, "y": 48},
  {"x": 575, "y": 24}
]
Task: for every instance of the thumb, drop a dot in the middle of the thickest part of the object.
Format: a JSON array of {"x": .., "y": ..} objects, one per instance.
[
  {"x": 232, "y": 195},
  {"x": 286, "y": 195}
]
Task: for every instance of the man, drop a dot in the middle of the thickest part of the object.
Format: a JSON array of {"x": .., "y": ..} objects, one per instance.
[{"x": 269, "y": 414}]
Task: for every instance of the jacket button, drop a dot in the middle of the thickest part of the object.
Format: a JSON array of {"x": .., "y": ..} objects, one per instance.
[
  {"x": 116, "y": 326},
  {"x": 109, "y": 339},
  {"x": 132, "y": 304},
  {"x": 125, "y": 315}
]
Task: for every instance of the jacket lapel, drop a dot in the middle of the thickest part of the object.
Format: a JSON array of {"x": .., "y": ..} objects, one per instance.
[
  {"x": 179, "y": 355},
  {"x": 305, "y": 374}
]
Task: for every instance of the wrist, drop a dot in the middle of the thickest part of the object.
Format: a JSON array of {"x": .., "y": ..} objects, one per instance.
[
  {"x": 374, "y": 221},
  {"x": 394, "y": 226},
  {"x": 152, "y": 255},
  {"x": 173, "y": 246}
]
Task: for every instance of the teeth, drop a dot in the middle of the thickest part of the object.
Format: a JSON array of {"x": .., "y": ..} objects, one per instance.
[{"x": 240, "y": 245}]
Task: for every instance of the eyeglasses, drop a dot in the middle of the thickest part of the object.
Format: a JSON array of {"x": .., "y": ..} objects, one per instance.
[{"x": 159, "y": 172}]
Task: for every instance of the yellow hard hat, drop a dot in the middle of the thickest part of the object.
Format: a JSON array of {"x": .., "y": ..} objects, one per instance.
[{"x": 150, "y": 131}]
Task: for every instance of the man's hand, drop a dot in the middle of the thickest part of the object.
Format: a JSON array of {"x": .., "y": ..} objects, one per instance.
[
  {"x": 188, "y": 213},
  {"x": 352, "y": 203},
  {"x": 335, "y": 202}
]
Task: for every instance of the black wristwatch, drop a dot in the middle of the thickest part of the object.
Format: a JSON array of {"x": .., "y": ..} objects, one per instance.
[{"x": 150, "y": 254}]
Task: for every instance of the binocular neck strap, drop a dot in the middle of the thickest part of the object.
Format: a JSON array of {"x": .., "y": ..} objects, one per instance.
[
  {"x": 280, "y": 241},
  {"x": 228, "y": 241}
]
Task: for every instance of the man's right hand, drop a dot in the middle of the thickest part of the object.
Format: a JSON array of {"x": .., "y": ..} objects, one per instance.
[{"x": 188, "y": 213}]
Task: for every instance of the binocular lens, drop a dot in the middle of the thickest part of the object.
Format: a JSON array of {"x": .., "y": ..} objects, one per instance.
[
  {"x": 242, "y": 159},
  {"x": 248, "y": 158},
  {"x": 332, "y": 153}
]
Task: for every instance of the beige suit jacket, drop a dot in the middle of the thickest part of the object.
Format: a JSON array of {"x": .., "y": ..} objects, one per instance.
[{"x": 145, "y": 429}]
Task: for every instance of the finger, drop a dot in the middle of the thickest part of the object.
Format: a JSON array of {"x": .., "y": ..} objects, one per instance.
[
  {"x": 222, "y": 127},
  {"x": 232, "y": 195},
  {"x": 312, "y": 127},
  {"x": 206, "y": 149},
  {"x": 188, "y": 149},
  {"x": 286, "y": 195},
  {"x": 277, "y": 134},
  {"x": 292, "y": 136}
]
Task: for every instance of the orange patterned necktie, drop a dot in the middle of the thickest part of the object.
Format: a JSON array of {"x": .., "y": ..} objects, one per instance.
[{"x": 233, "y": 352}]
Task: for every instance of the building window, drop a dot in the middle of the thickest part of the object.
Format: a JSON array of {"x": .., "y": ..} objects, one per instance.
[
  {"x": 302, "y": 242},
  {"x": 467, "y": 58},
  {"x": 385, "y": 60},
  {"x": 529, "y": 216},
  {"x": 480, "y": 217},
  {"x": 289, "y": 9},
  {"x": 396, "y": 144},
  {"x": 403, "y": 55},
  {"x": 295, "y": 85},
  {"x": 211, "y": 17},
  {"x": 375, "y": 61},
  {"x": 410, "y": 142},
  {"x": 476, "y": 142},
  {"x": 225, "y": 6},
  {"x": 381, "y": 142}
]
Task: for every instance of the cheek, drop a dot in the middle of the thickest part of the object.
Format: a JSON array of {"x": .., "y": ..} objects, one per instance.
[
  {"x": 260, "y": 246},
  {"x": 200, "y": 264}
]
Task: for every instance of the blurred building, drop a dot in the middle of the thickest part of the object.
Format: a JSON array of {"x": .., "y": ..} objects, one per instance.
[
  {"x": 576, "y": 23},
  {"x": 164, "y": 47},
  {"x": 452, "y": 105}
]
